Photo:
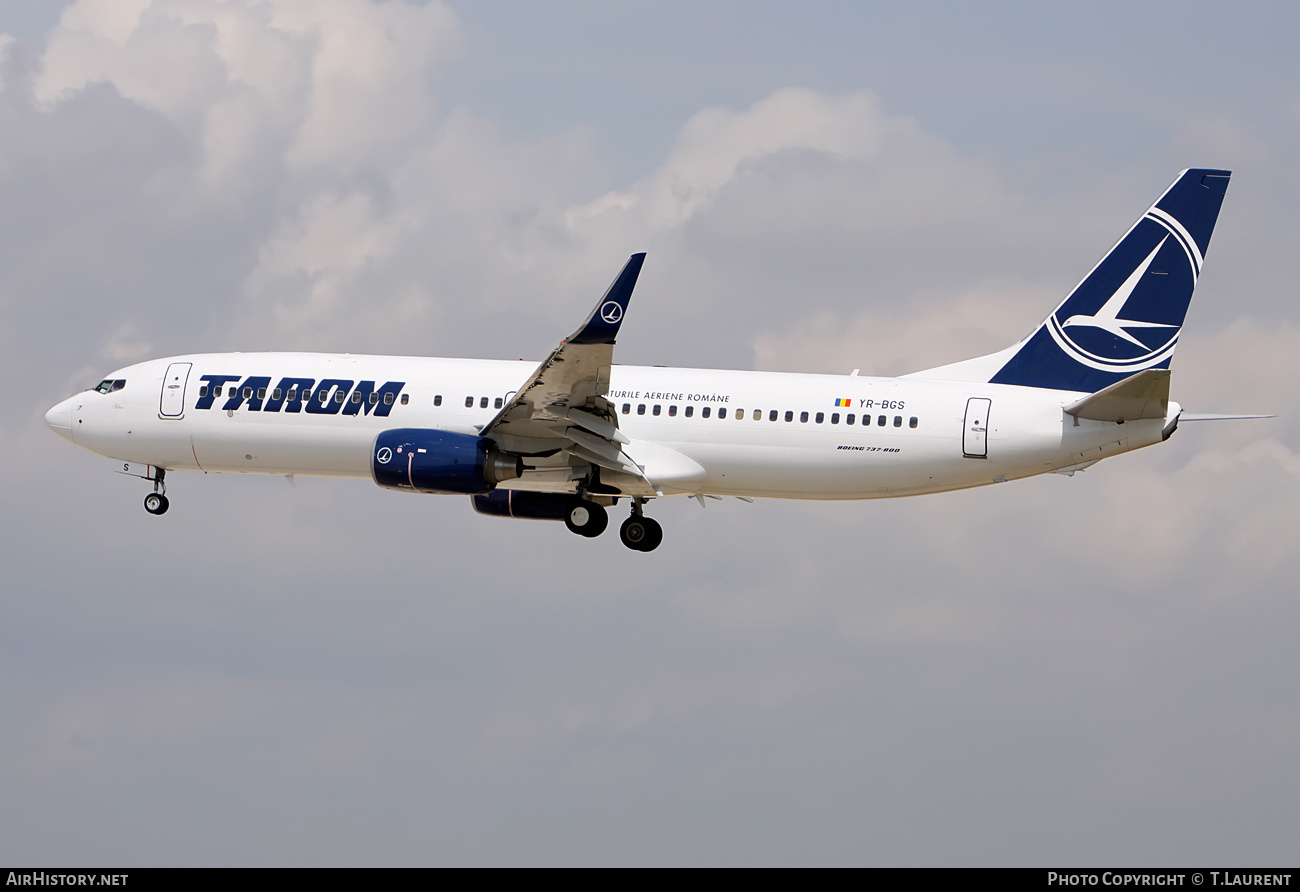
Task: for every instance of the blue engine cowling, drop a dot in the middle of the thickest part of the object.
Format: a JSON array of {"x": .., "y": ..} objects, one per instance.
[
  {"x": 434, "y": 461},
  {"x": 520, "y": 503}
]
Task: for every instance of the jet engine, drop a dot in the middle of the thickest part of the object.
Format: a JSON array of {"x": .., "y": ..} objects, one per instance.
[{"x": 437, "y": 461}]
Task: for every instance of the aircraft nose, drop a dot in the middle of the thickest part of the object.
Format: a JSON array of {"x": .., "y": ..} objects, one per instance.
[{"x": 59, "y": 419}]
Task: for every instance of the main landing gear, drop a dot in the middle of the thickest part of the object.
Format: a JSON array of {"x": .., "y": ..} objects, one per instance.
[
  {"x": 156, "y": 502},
  {"x": 638, "y": 532},
  {"x": 586, "y": 518}
]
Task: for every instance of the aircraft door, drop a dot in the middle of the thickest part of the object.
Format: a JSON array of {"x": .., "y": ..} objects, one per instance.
[
  {"x": 974, "y": 436},
  {"x": 172, "y": 403}
]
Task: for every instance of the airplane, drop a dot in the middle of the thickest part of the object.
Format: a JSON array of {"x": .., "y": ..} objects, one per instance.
[{"x": 570, "y": 437}]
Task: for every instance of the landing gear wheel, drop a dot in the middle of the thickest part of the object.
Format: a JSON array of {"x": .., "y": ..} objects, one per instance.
[
  {"x": 641, "y": 533},
  {"x": 156, "y": 503},
  {"x": 586, "y": 519}
]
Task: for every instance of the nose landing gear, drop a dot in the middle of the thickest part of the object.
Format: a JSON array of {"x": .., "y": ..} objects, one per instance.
[
  {"x": 156, "y": 502},
  {"x": 640, "y": 533}
]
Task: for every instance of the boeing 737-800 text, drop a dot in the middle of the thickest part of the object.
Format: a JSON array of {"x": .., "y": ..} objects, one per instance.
[{"x": 566, "y": 439}]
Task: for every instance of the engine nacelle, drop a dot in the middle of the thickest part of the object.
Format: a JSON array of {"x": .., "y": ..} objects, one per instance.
[
  {"x": 435, "y": 461},
  {"x": 520, "y": 503}
]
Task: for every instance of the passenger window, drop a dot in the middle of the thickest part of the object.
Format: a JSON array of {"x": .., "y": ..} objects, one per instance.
[
  {"x": 291, "y": 396},
  {"x": 722, "y": 412},
  {"x": 497, "y": 403},
  {"x": 388, "y": 399},
  {"x": 821, "y": 416},
  {"x": 881, "y": 420},
  {"x": 672, "y": 411},
  {"x": 627, "y": 407},
  {"x": 640, "y": 408},
  {"x": 898, "y": 421},
  {"x": 835, "y": 418},
  {"x": 803, "y": 417},
  {"x": 771, "y": 416},
  {"x": 248, "y": 393},
  {"x": 203, "y": 390},
  {"x": 339, "y": 395},
  {"x": 789, "y": 416},
  {"x": 373, "y": 399},
  {"x": 437, "y": 399},
  {"x": 911, "y": 422},
  {"x": 469, "y": 402},
  {"x": 848, "y": 419},
  {"x": 277, "y": 394},
  {"x": 482, "y": 403},
  {"x": 655, "y": 410},
  {"x": 740, "y": 414},
  {"x": 690, "y": 410},
  {"x": 406, "y": 398},
  {"x": 704, "y": 413},
  {"x": 356, "y": 396}
]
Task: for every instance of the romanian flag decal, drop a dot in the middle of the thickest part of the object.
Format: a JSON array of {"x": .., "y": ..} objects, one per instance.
[{"x": 844, "y": 404}]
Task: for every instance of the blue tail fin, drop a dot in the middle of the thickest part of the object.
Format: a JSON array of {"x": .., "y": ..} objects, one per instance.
[{"x": 1125, "y": 315}]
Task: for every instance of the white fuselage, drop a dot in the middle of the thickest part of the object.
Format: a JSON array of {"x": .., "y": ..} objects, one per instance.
[{"x": 694, "y": 431}]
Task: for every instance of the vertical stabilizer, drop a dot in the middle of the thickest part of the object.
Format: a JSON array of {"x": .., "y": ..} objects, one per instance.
[{"x": 1125, "y": 316}]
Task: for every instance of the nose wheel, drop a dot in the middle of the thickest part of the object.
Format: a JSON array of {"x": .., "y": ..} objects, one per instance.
[
  {"x": 640, "y": 533},
  {"x": 156, "y": 502}
]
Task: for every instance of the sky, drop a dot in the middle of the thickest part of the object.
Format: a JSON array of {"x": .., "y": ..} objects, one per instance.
[{"x": 1095, "y": 670}]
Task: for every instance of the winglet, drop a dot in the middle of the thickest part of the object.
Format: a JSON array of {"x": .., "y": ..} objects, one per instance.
[{"x": 602, "y": 325}]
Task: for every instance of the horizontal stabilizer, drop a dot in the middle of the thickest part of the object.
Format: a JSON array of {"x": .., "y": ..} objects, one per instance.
[
  {"x": 1144, "y": 395},
  {"x": 1202, "y": 416}
]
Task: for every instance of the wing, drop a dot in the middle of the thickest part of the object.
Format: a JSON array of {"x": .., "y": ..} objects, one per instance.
[{"x": 561, "y": 416}]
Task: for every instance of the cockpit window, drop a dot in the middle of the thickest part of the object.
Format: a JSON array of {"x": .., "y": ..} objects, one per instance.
[{"x": 110, "y": 385}]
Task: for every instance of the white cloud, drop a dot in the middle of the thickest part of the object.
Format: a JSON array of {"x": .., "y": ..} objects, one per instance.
[
  {"x": 970, "y": 323},
  {"x": 334, "y": 88},
  {"x": 6, "y": 47},
  {"x": 887, "y": 175}
]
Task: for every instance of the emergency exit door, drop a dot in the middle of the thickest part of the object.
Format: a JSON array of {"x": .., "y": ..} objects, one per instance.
[
  {"x": 173, "y": 390},
  {"x": 975, "y": 433}
]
